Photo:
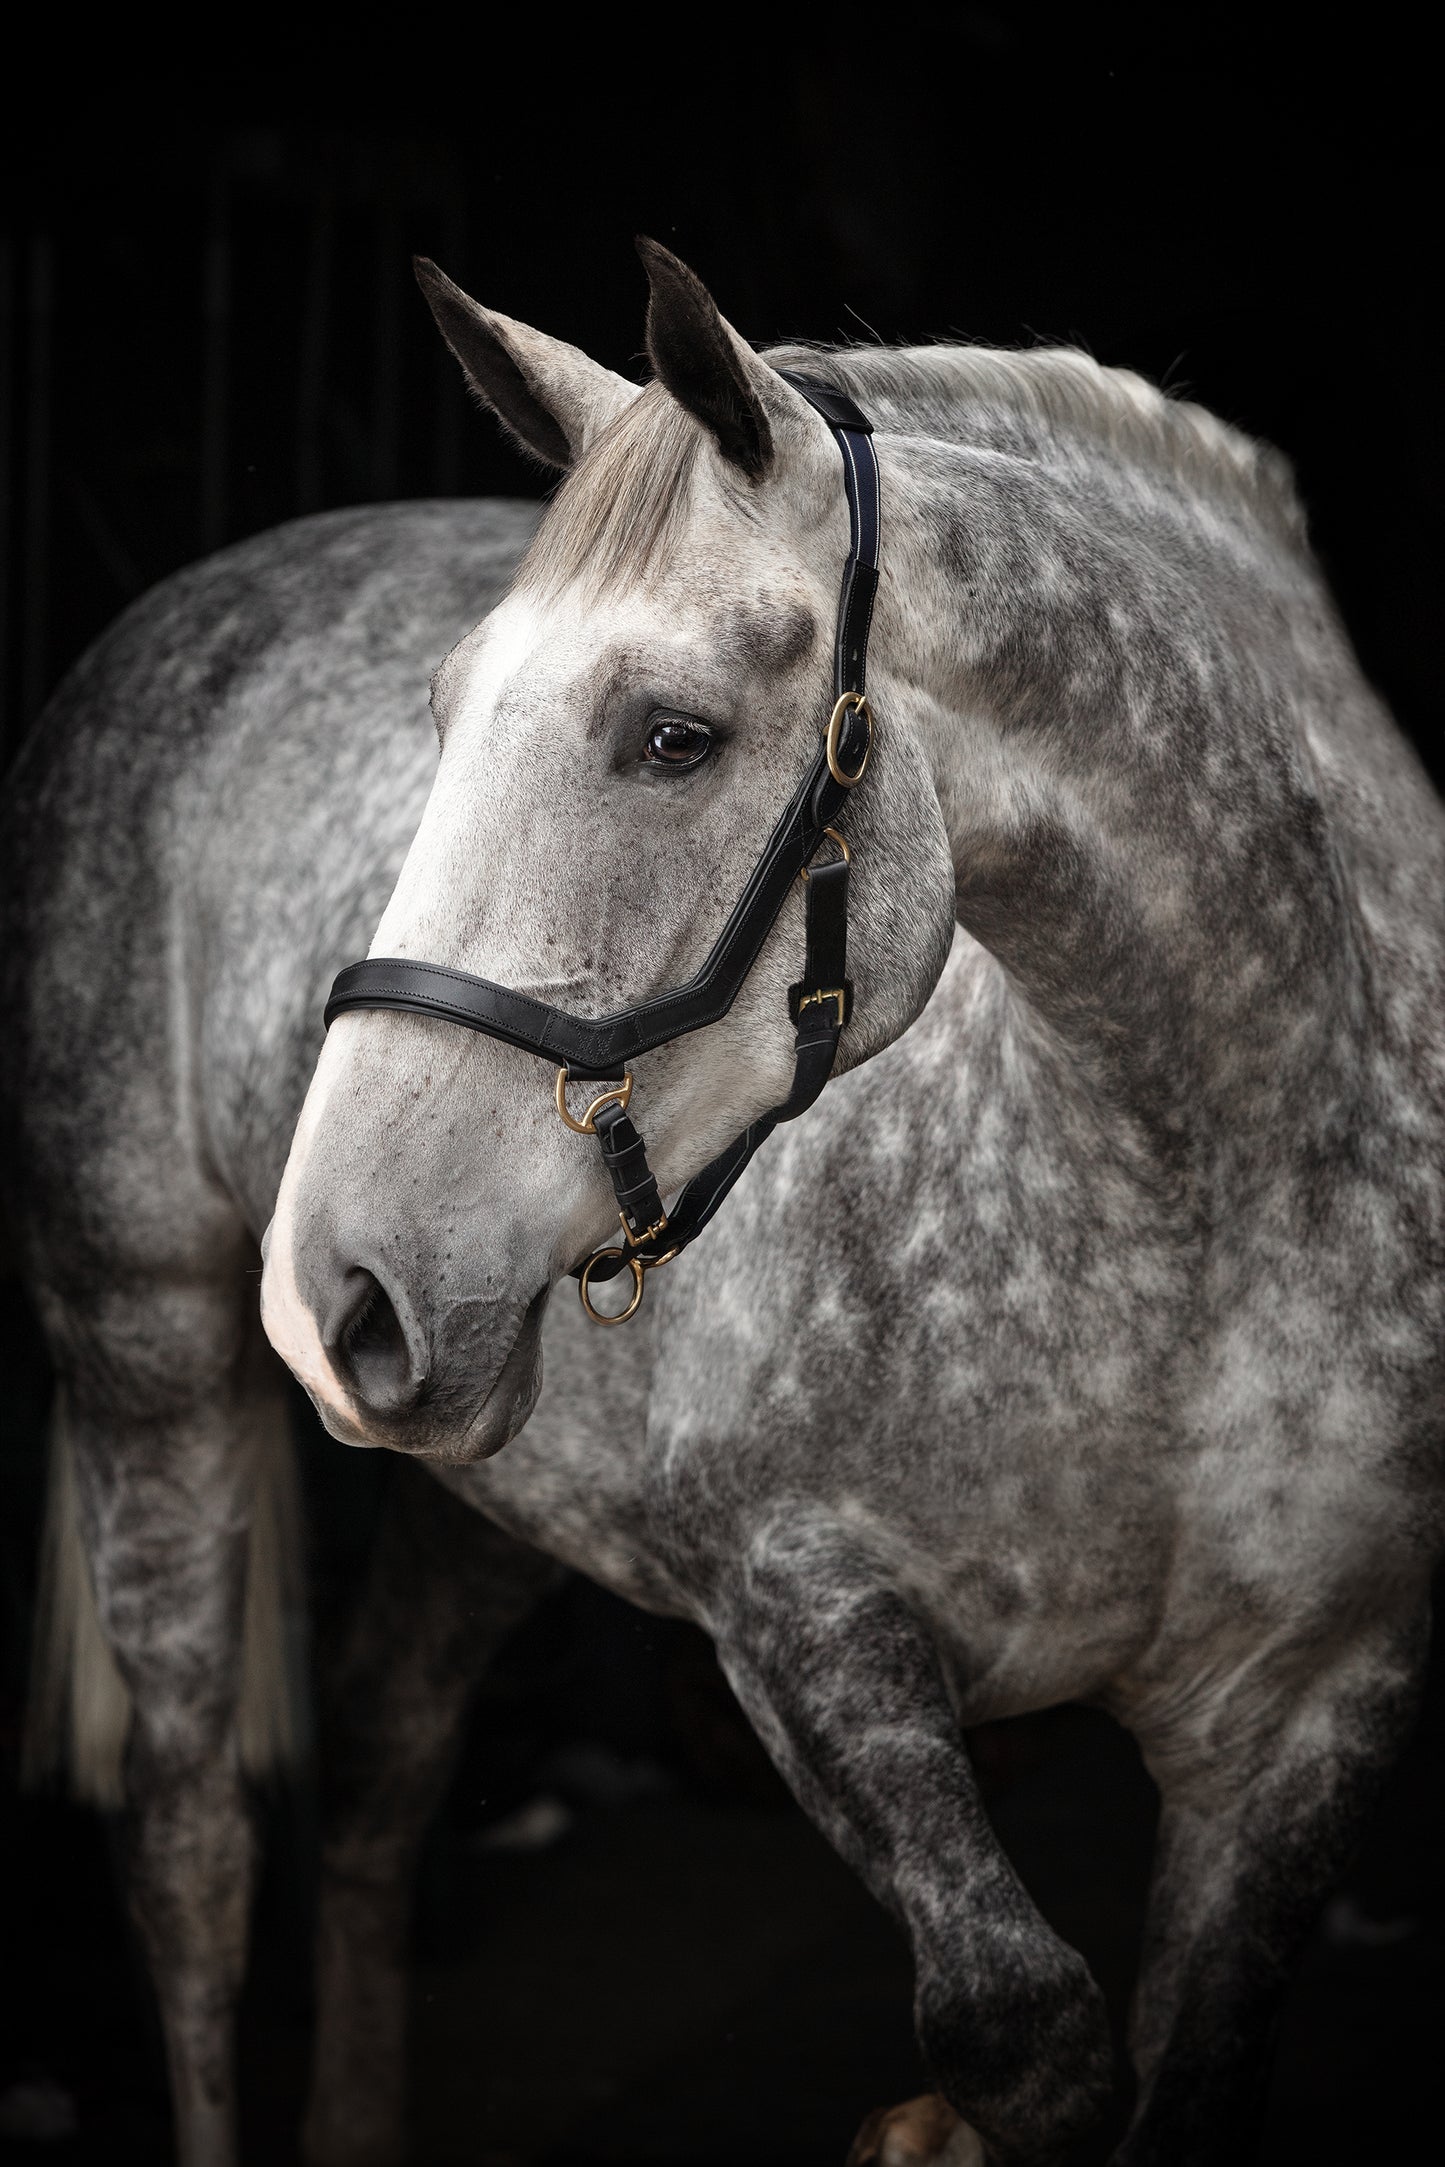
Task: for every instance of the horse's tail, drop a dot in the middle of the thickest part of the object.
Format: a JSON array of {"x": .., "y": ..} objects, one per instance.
[{"x": 79, "y": 1706}]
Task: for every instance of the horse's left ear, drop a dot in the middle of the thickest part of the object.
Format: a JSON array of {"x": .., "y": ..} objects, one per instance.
[
  {"x": 707, "y": 367},
  {"x": 551, "y": 398}
]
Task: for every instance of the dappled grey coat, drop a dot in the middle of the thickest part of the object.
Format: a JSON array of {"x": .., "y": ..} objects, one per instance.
[{"x": 1084, "y": 1342}]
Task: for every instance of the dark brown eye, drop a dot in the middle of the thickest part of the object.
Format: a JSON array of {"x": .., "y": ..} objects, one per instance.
[{"x": 676, "y": 741}]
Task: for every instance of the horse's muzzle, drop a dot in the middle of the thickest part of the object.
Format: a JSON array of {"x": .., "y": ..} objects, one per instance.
[{"x": 458, "y": 1393}]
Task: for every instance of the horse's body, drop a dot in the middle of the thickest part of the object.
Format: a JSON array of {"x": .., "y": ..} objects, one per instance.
[
  {"x": 1086, "y": 1343},
  {"x": 207, "y": 821}
]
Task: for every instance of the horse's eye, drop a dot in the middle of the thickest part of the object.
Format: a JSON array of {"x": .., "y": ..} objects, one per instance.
[{"x": 676, "y": 741}]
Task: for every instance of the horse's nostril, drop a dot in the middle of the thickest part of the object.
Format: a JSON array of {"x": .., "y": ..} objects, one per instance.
[{"x": 371, "y": 1351}]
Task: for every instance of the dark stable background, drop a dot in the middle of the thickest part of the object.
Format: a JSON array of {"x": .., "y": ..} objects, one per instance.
[{"x": 209, "y": 325}]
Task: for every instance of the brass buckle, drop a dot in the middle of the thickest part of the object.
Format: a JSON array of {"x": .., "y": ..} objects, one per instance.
[
  {"x": 850, "y": 701},
  {"x": 830, "y": 993},
  {"x": 834, "y": 837},
  {"x": 587, "y": 1126},
  {"x": 635, "y": 1241}
]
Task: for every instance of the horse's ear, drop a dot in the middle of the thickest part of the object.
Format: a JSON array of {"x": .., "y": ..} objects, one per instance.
[
  {"x": 705, "y": 365},
  {"x": 551, "y": 398}
]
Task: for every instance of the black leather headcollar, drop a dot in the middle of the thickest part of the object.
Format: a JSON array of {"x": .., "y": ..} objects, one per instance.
[{"x": 601, "y": 1047}]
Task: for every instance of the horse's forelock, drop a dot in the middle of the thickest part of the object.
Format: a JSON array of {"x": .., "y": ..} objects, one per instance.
[{"x": 623, "y": 507}]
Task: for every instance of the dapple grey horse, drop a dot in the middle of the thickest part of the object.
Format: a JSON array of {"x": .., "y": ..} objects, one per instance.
[{"x": 1085, "y": 1342}]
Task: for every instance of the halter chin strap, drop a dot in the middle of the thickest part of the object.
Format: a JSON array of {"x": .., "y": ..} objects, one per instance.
[{"x": 819, "y": 1004}]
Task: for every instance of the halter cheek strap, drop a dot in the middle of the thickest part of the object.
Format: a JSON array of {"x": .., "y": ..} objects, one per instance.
[{"x": 819, "y": 1004}]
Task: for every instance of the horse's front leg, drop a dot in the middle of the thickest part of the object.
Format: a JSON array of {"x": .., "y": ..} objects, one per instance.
[
  {"x": 443, "y": 1590},
  {"x": 166, "y": 1460},
  {"x": 1263, "y": 1800},
  {"x": 844, "y": 1687}
]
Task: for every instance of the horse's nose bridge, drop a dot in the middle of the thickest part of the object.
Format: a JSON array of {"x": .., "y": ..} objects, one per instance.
[{"x": 409, "y": 1221}]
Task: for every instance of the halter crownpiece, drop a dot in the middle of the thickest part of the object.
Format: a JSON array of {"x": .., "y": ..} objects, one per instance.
[{"x": 599, "y": 1048}]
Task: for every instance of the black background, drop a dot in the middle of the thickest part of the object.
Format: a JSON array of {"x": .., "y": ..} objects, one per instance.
[{"x": 209, "y": 325}]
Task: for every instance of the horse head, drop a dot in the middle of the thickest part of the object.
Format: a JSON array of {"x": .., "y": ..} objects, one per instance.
[{"x": 618, "y": 739}]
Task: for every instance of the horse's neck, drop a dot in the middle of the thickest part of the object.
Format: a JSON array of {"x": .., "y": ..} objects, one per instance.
[{"x": 1109, "y": 680}]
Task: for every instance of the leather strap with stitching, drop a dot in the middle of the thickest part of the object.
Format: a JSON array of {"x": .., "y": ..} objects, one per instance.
[
  {"x": 592, "y": 1047},
  {"x": 818, "y": 1025}
]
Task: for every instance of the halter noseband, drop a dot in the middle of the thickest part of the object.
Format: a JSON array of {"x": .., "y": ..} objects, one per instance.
[{"x": 820, "y": 1004}]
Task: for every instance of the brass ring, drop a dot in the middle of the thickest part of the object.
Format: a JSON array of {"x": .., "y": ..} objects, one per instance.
[
  {"x": 834, "y": 836},
  {"x": 587, "y": 1125},
  {"x": 599, "y": 1316},
  {"x": 849, "y": 702}
]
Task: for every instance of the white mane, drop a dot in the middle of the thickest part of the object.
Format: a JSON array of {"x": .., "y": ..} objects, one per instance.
[{"x": 1049, "y": 398}]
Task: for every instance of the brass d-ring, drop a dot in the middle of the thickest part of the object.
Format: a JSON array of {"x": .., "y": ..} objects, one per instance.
[
  {"x": 833, "y": 836},
  {"x": 599, "y": 1316},
  {"x": 587, "y": 1126},
  {"x": 849, "y": 702}
]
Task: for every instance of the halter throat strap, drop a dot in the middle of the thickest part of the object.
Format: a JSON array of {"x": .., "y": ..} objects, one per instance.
[{"x": 820, "y": 1003}]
